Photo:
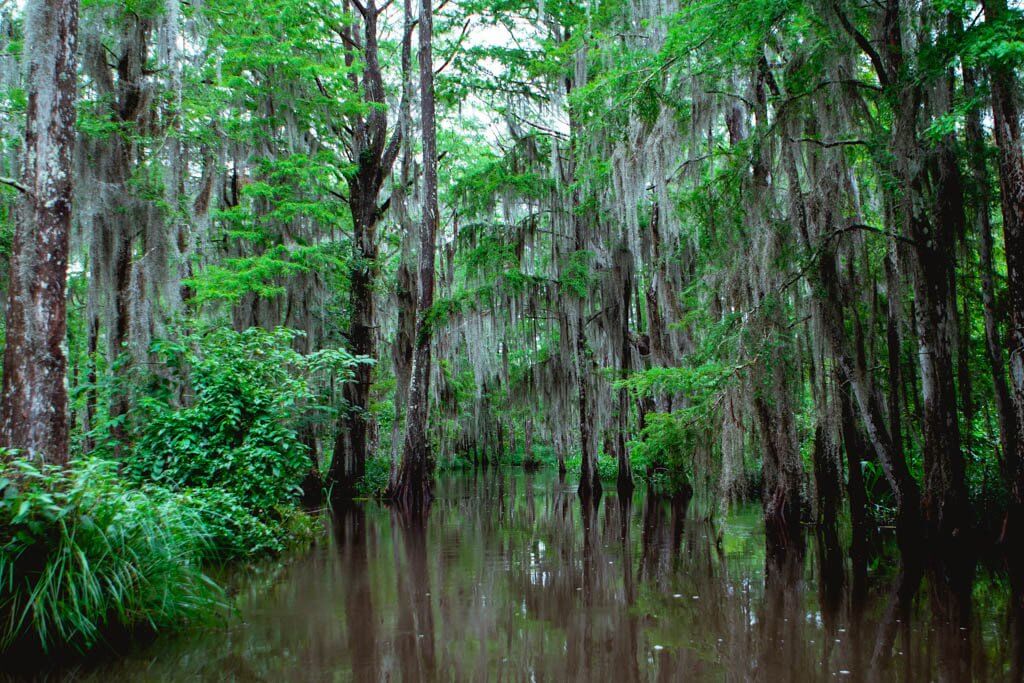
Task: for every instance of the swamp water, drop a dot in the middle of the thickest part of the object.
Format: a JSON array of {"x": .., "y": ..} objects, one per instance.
[{"x": 509, "y": 578}]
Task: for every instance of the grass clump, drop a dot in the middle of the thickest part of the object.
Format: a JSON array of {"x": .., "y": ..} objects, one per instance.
[{"x": 86, "y": 554}]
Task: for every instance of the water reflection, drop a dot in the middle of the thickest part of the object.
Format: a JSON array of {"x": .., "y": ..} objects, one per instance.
[{"x": 513, "y": 577}]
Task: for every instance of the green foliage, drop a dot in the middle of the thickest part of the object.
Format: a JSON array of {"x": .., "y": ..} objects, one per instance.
[
  {"x": 261, "y": 274},
  {"x": 701, "y": 380},
  {"x": 235, "y": 532},
  {"x": 374, "y": 481},
  {"x": 663, "y": 454},
  {"x": 577, "y": 276},
  {"x": 455, "y": 463},
  {"x": 84, "y": 552},
  {"x": 236, "y": 433},
  {"x": 998, "y": 42},
  {"x": 607, "y": 467}
]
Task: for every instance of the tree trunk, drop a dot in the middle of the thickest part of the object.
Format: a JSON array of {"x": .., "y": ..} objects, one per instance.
[
  {"x": 34, "y": 403},
  {"x": 944, "y": 500},
  {"x": 826, "y": 458},
  {"x": 625, "y": 267},
  {"x": 893, "y": 346},
  {"x": 590, "y": 481},
  {"x": 405, "y": 295},
  {"x": 412, "y": 489},
  {"x": 374, "y": 156},
  {"x": 780, "y": 463},
  {"x": 983, "y": 226},
  {"x": 894, "y": 466},
  {"x": 855, "y": 449},
  {"x": 1006, "y": 123},
  {"x": 528, "y": 459}
]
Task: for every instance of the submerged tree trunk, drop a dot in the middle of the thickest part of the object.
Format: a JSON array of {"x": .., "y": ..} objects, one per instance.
[
  {"x": 413, "y": 487},
  {"x": 35, "y": 401}
]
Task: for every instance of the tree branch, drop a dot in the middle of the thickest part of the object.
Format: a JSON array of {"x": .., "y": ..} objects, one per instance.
[
  {"x": 865, "y": 45},
  {"x": 829, "y": 143},
  {"x": 11, "y": 182},
  {"x": 455, "y": 50}
]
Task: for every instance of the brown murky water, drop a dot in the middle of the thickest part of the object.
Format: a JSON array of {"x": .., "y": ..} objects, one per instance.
[{"x": 511, "y": 579}]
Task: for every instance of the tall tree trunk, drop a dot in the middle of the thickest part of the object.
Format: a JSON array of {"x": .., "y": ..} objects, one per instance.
[
  {"x": 625, "y": 267},
  {"x": 1006, "y": 123},
  {"x": 35, "y": 402},
  {"x": 893, "y": 346},
  {"x": 826, "y": 454},
  {"x": 590, "y": 481},
  {"x": 854, "y": 446},
  {"x": 944, "y": 500},
  {"x": 405, "y": 294},
  {"x": 374, "y": 156},
  {"x": 412, "y": 488},
  {"x": 983, "y": 226},
  {"x": 528, "y": 459}
]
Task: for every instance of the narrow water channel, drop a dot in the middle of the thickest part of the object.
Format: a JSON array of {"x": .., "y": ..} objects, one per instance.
[{"x": 510, "y": 579}]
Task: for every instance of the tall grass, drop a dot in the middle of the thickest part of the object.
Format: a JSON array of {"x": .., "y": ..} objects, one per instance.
[{"x": 83, "y": 553}]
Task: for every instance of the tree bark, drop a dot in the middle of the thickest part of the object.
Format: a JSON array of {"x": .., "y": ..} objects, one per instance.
[
  {"x": 590, "y": 481},
  {"x": 625, "y": 267},
  {"x": 528, "y": 460},
  {"x": 413, "y": 487},
  {"x": 374, "y": 156},
  {"x": 983, "y": 227},
  {"x": 854, "y": 446},
  {"x": 944, "y": 501},
  {"x": 35, "y": 402},
  {"x": 1010, "y": 144}
]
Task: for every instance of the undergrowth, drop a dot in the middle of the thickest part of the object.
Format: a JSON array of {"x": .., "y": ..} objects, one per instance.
[{"x": 85, "y": 553}]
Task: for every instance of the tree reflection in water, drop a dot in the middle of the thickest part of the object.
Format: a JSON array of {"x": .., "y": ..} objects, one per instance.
[{"x": 511, "y": 576}]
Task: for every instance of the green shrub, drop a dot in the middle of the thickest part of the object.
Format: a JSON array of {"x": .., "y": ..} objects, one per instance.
[
  {"x": 84, "y": 553},
  {"x": 236, "y": 432},
  {"x": 663, "y": 455},
  {"x": 455, "y": 463},
  {"x": 234, "y": 531},
  {"x": 607, "y": 467},
  {"x": 374, "y": 482},
  {"x": 544, "y": 455}
]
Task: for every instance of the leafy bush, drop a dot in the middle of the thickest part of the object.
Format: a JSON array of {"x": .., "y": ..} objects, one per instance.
[
  {"x": 607, "y": 467},
  {"x": 664, "y": 452},
  {"x": 236, "y": 431},
  {"x": 374, "y": 481},
  {"x": 454, "y": 463},
  {"x": 84, "y": 553},
  {"x": 235, "y": 532},
  {"x": 544, "y": 455}
]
